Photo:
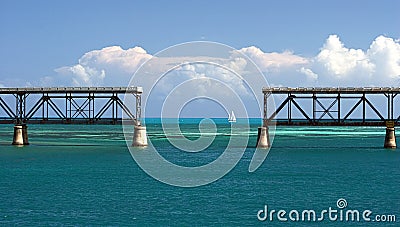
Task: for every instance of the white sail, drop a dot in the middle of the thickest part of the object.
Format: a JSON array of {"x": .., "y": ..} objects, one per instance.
[{"x": 232, "y": 117}]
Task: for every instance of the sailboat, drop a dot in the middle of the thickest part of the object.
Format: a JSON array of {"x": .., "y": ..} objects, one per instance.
[{"x": 232, "y": 117}]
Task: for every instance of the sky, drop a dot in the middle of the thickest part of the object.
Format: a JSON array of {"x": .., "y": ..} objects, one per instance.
[{"x": 294, "y": 43}]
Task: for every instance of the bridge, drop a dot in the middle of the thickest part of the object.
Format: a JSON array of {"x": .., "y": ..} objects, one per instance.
[
  {"x": 330, "y": 106},
  {"x": 69, "y": 105},
  {"x": 103, "y": 105}
]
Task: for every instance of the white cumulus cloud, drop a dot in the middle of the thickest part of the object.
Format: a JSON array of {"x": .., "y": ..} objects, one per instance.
[
  {"x": 337, "y": 65},
  {"x": 334, "y": 65},
  {"x": 109, "y": 66},
  {"x": 340, "y": 61},
  {"x": 310, "y": 74},
  {"x": 273, "y": 61},
  {"x": 384, "y": 53}
]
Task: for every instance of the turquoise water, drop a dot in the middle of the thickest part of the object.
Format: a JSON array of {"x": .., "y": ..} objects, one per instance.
[{"x": 85, "y": 175}]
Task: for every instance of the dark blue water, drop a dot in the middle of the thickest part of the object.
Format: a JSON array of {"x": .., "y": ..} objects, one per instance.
[{"x": 85, "y": 175}]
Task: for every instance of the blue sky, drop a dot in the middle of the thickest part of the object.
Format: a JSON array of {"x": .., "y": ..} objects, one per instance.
[
  {"x": 295, "y": 43},
  {"x": 40, "y": 36}
]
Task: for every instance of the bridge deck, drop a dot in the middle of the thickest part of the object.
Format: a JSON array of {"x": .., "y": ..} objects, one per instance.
[
  {"x": 39, "y": 90},
  {"x": 331, "y": 90}
]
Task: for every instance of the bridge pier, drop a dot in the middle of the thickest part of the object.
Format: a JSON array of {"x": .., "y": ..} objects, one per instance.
[
  {"x": 390, "y": 138},
  {"x": 20, "y": 135},
  {"x": 263, "y": 137},
  {"x": 139, "y": 136}
]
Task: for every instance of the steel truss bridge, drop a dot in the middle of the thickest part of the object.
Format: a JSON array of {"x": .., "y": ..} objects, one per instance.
[
  {"x": 331, "y": 106},
  {"x": 82, "y": 105},
  {"x": 68, "y": 105}
]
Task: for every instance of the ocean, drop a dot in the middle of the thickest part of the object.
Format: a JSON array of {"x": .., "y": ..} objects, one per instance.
[{"x": 79, "y": 175}]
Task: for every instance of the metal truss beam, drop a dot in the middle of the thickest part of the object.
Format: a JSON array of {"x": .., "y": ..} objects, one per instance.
[
  {"x": 78, "y": 105},
  {"x": 334, "y": 108}
]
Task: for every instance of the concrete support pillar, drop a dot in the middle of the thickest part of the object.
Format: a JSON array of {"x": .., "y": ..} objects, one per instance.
[
  {"x": 263, "y": 137},
  {"x": 139, "y": 136},
  {"x": 390, "y": 138},
  {"x": 20, "y": 135}
]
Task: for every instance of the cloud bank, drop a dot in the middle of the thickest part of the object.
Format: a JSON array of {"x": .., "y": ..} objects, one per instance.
[
  {"x": 110, "y": 66},
  {"x": 334, "y": 65},
  {"x": 338, "y": 65}
]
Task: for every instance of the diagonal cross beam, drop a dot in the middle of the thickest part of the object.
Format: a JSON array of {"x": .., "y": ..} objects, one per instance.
[
  {"x": 326, "y": 110},
  {"x": 301, "y": 110}
]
